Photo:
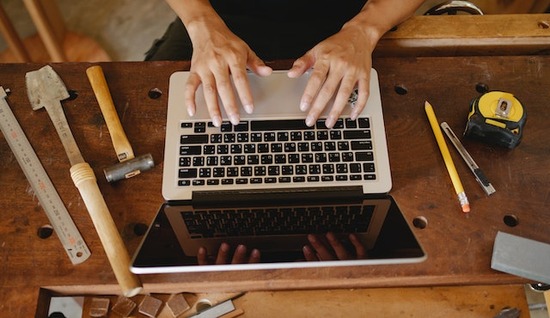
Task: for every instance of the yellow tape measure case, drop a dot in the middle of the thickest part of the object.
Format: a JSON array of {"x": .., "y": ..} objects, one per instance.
[{"x": 496, "y": 118}]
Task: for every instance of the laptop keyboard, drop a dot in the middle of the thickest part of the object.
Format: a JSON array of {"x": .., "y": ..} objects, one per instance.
[
  {"x": 277, "y": 220},
  {"x": 275, "y": 151}
]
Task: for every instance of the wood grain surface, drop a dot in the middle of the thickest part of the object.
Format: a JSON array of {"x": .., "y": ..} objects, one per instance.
[{"x": 459, "y": 247}]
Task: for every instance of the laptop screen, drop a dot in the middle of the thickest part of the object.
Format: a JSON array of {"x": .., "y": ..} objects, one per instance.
[{"x": 185, "y": 238}]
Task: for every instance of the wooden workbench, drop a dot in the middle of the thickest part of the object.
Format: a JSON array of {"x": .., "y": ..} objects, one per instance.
[{"x": 459, "y": 246}]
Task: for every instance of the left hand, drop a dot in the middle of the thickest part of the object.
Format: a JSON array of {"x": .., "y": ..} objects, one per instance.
[{"x": 340, "y": 63}]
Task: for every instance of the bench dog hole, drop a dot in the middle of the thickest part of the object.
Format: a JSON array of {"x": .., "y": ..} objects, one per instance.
[
  {"x": 511, "y": 220},
  {"x": 154, "y": 93},
  {"x": 420, "y": 222},
  {"x": 401, "y": 89},
  {"x": 45, "y": 231}
]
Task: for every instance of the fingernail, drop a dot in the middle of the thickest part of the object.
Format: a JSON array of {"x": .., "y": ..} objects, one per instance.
[
  {"x": 329, "y": 122},
  {"x": 217, "y": 121},
  {"x": 310, "y": 121},
  {"x": 304, "y": 106},
  {"x": 190, "y": 111},
  {"x": 248, "y": 108},
  {"x": 234, "y": 119}
]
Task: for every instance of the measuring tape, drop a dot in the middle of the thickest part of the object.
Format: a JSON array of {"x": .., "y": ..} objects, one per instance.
[{"x": 43, "y": 188}]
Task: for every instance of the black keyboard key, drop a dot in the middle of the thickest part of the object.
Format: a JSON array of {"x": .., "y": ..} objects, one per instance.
[
  {"x": 226, "y": 127},
  {"x": 364, "y": 156},
  {"x": 368, "y": 167},
  {"x": 187, "y": 173},
  {"x": 274, "y": 125},
  {"x": 242, "y": 126},
  {"x": 357, "y": 134},
  {"x": 350, "y": 123},
  {"x": 190, "y": 150},
  {"x": 200, "y": 127},
  {"x": 363, "y": 122},
  {"x": 194, "y": 139},
  {"x": 185, "y": 161},
  {"x": 361, "y": 145}
]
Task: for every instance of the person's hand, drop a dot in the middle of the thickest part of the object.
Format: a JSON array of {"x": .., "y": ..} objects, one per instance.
[
  {"x": 219, "y": 56},
  {"x": 240, "y": 256},
  {"x": 340, "y": 63},
  {"x": 329, "y": 247}
]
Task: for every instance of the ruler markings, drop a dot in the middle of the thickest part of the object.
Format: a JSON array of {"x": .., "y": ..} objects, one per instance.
[{"x": 62, "y": 223}]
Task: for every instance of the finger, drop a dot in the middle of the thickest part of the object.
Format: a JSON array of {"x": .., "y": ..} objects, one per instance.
[
  {"x": 255, "y": 256},
  {"x": 240, "y": 255},
  {"x": 223, "y": 254},
  {"x": 202, "y": 257},
  {"x": 309, "y": 254},
  {"x": 360, "y": 250},
  {"x": 301, "y": 65},
  {"x": 323, "y": 96},
  {"x": 346, "y": 88},
  {"x": 191, "y": 86},
  {"x": 363, "y": 93},
  {"x": 339, "y": 249},
  {"x": 256, "y": 65},
  {"x": 322, "y": 252},
  {"x": 211, "y": 99},
  {"x": 242, "y": 85},
  {"x": 227, "y": 96},
  {"x": 314, "y": 84}
]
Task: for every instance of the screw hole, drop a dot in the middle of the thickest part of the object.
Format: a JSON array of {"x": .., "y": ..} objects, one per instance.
[
  {"x": 401, "y": 89},
  {"x": 482, "y": 88},
  {"x": 420, "y": 222},
  {"x": 72, "y": 94},
  {"x": 45, "y": 231},
  {"x": 511, "y": 220},
  {"x": 155, "y": 93},
  {"x": 544, "y": 25}
]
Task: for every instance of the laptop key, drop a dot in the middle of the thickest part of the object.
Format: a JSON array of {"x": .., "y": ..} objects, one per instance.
[
  {"x": 194, "y": 139},
  {"x": 188, "y": 173}
]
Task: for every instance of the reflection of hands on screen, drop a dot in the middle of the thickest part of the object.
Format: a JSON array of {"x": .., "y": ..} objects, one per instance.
[
  {"x": 227, "y": 256},
  {"x": 329, "y": 247}
]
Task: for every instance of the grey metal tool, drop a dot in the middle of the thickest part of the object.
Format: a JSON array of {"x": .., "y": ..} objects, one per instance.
[
  {"x": 480, "y": 176},
  {"x": 57, "y": 213},
  {"x": 128, "y": 165},
  {"x": 522, "y": 257},
  {"x": 46, "y": 89}
]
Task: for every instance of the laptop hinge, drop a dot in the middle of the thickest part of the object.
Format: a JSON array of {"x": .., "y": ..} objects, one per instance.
[{"x": 278, "y": 196}]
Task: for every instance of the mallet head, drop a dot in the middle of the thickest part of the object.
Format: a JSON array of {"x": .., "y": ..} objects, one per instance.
[{"x": 129, "y": 168}]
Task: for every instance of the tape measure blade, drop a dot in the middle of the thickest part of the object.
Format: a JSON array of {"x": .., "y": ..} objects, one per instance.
[{"x": 57, "y": 214}]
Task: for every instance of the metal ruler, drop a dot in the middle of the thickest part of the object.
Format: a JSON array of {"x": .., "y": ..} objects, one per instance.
[{"x": 52, "y": 204}]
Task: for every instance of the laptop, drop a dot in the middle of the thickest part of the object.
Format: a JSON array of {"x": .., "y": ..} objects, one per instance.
[{"x": 272, "y": 192}]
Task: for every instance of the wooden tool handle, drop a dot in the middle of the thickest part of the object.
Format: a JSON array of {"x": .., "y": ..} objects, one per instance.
[
  {"x": 103, "y": 95},
  {"x": 85, "y": 180}
]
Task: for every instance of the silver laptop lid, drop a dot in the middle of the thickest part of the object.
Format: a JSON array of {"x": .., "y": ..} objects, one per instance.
[{"x": 275, "y": 97}]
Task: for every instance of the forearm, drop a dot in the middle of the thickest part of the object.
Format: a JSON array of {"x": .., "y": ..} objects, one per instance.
[
  {"x": 379, "y": 16},
  {"x": 196, "y": 15}
]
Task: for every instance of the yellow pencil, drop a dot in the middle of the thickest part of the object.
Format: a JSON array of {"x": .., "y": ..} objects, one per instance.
[{"x": 447, "y": 158}]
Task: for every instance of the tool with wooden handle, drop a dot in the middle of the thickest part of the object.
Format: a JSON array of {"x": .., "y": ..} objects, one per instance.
[
  {"x": 43, "y": 188},
  {"x": 128, "y": 165},
  {"x": 46, "y": 89}
]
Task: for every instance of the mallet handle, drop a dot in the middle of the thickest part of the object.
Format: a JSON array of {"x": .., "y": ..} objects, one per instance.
[
  {"x": 86, "y": 182},
  {"x": 121, "y": 144}
]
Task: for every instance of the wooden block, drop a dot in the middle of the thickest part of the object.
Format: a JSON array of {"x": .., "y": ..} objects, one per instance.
[
  {"x": 177, "y": 305},
  {"x": 99, "y": 307},
  {"x": 150, "y": 306},
  {"x": 124, "y": 306}
]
